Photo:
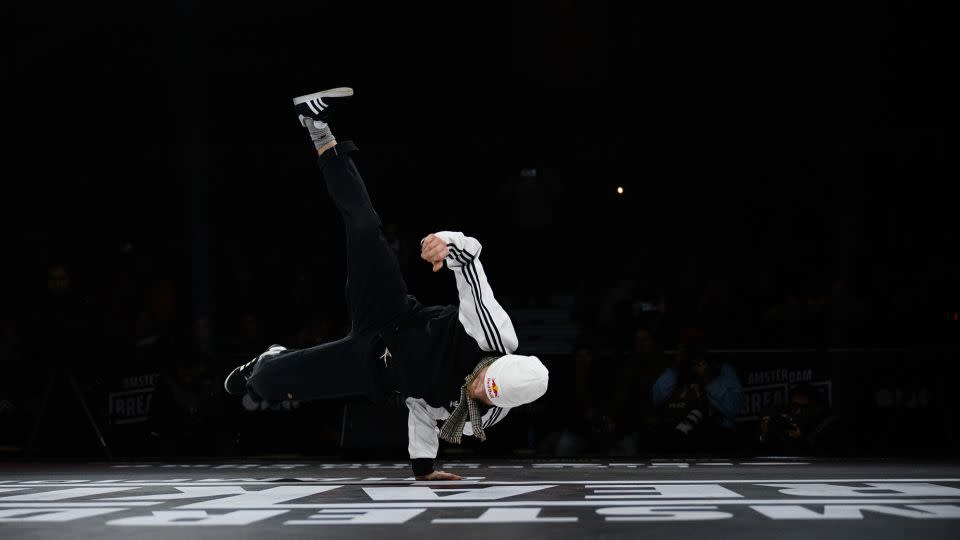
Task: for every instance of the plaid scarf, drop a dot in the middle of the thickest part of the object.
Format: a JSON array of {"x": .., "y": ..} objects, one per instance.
[{"x": 452, "y": 429}]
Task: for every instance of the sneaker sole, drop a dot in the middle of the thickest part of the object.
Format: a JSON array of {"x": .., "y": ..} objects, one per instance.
[
  {"x": 225, "y": 381},
  {"x": 342, "y": 91}
]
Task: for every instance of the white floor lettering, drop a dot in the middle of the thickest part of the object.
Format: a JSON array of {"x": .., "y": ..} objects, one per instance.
[
  {"x": 662, "y": 491},
  {"x": 188, "y": 492},
  {"x": 663, "y": 513},
  {"x": 417, "y": 493},
  {"x": 876, "y": 489},
  {"x": 57, "y": 515},
  {"x": 62, "y": 494},
  {"x": 508, "y": 515},
  {"x": 375, "y": 516},
  {"x": 262, "y": 498},
  {"x": 855, "y": 511},
  {"x": 624, "y": 496},
  {"x": 197, "y": 517}
]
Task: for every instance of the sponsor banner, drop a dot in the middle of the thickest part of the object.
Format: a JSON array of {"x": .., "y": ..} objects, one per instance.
[{"x": 131, "y": 403}]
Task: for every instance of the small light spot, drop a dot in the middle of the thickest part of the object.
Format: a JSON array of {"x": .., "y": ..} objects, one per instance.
[{"x": 619, "y": 190}]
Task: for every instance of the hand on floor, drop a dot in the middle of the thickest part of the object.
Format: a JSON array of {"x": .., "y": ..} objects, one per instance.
[{"x": 439, "y": 475}]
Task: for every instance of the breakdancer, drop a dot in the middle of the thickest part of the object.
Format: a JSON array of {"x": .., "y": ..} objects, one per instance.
[{"x": 448, "y": 363}]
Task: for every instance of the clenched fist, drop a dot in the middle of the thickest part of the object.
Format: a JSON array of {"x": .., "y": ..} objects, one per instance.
[{"x": 434, "y": 250}]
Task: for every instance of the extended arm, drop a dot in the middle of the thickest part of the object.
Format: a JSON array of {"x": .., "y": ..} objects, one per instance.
[{"x": 480, "y": 313}]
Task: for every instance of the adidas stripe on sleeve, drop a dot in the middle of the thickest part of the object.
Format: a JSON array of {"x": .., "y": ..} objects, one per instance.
[{"x": 480, "y": 314}]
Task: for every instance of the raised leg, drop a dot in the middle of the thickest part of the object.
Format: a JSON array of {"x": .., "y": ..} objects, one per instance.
[
  {"x": 339, "y": 369},
  {"x": 376, "y": 292}
]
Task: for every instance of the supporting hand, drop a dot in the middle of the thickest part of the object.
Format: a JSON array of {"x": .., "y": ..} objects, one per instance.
[
  {"x": 434, "y": 250},
  {"x": 439, "y": 475}
]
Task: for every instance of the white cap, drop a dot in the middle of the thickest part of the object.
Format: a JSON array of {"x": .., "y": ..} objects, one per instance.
[{"x": 514, "y": 380}]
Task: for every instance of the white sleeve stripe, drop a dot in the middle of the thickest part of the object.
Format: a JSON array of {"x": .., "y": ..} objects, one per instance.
[
  {"x": 476, "y": 296},
  {"x": 493, "y": 417},
  {"x": 486, "y": 319},
  {"x": 466, "y": 254},
  {"x": 471, "y": 269},
  {"x": 498, "y": 415},
  {"x": 463, "y": 260}
]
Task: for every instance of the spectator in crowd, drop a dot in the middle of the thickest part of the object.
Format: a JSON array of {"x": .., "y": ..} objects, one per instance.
[
  {"x": 633, "y": 300},
  {"x": 62, "y": 323},
  {"x": 638, "y": 368},
  {"x": 194, "y": 405},
  {"x": 586, "y": 423},
  {"x": 12, "y": 422},
  {"x": 60, "y": 311},
  {"x": 120, "y": 295},
  {"x": 806, "y": 426},
  {"x": 61, "y": 330},
  {"x": 699, "y": 398},
  {"x": 612, "y": 314}
]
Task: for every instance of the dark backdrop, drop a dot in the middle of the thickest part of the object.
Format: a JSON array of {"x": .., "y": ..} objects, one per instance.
[{"x": 780, "y": 154}]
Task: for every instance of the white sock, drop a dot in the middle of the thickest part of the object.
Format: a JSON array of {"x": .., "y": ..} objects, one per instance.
[{"x": 320, "y": 132}]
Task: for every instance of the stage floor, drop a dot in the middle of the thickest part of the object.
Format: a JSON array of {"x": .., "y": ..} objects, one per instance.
[{"x": 762, "y": 498}]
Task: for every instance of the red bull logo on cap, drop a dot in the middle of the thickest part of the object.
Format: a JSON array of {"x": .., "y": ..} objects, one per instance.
[{"x": 492, "y": 389}]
